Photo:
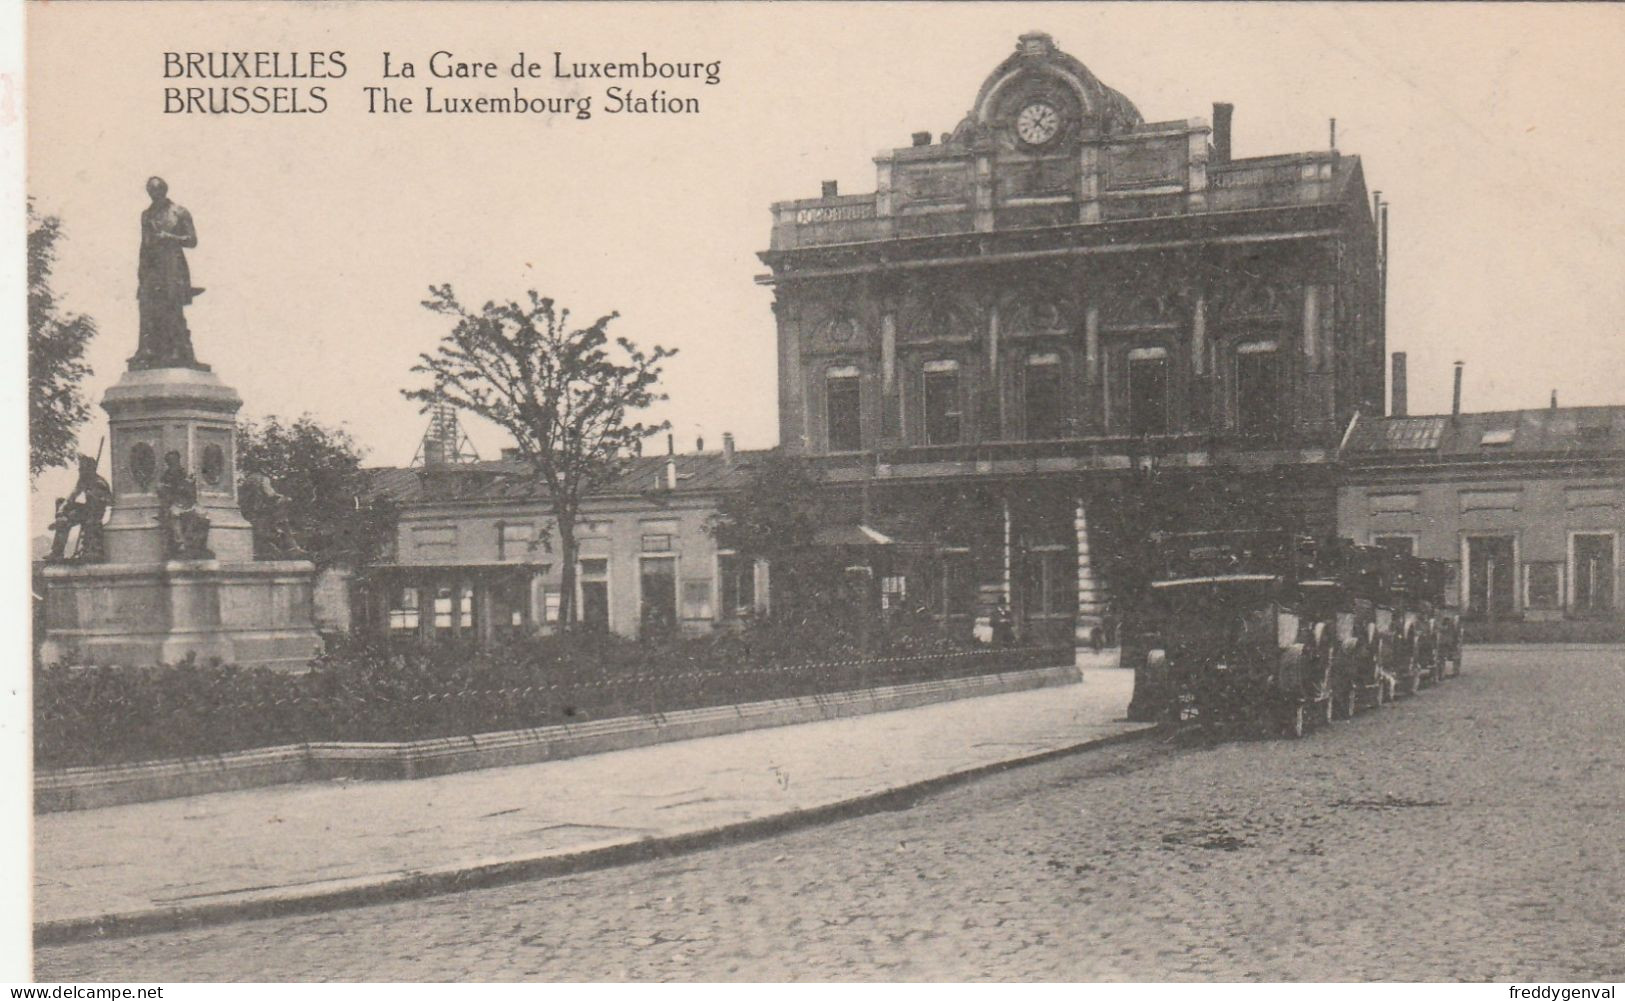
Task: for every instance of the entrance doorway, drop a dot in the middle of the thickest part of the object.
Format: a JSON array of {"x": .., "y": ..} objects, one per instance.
[
  {"x": 658, "y": 590},
  {"x": 1491, "y": 577}
]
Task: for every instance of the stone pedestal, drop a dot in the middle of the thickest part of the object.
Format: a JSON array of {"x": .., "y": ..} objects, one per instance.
[{"x": 141, "y": 608}]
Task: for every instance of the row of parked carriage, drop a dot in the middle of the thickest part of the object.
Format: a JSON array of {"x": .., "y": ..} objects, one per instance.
[{"x": 1245, "y": 627}]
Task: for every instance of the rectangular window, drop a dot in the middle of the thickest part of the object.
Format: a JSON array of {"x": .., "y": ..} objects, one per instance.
[
  {"x": 657, "y": 543},
  {"x": 1045, "y": 416},
  {"x": 450, "y": 607},
  {"x": 1403, "y": 544},
  {"x": 1148, "y": 391},
  {"x": 942, "y": 409},
  {"x": 551, "y": 602},
  {"x": 514, "y": 541},
  {"x": 843, "y": 417},
  {"x": 737, "y": 577},
  {"x": 509, "y": 599},
  {"x": 594, "y": 566},
  {"x": 696, "y": 599},
  {"x": 1490, "y": 588},
  {"x": 1545, "y": 586},
  {"x": 958, "y": 587},
  {"x": 403, "y": 609},
  {"x": 1258, "y": 388},
  {"x": 1593, "y": 556}
]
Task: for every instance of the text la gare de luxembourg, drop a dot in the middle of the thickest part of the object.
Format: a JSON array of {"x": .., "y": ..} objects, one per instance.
[{"x": 286, "y": 83}]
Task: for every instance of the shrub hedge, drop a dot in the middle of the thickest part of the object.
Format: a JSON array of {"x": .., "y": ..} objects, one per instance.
[{"x": 390, "y": 691}]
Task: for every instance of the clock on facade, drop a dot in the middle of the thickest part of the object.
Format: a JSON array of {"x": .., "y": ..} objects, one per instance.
[{"x": 1037, "y": 123}]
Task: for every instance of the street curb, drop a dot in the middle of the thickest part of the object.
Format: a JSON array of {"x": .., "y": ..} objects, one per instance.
[{"x": 454, "y": 879}]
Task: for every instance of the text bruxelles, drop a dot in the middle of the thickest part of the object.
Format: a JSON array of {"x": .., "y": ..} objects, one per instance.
[{"x": 291, "y": 94}]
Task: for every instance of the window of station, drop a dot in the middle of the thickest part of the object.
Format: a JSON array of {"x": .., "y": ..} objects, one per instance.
[
  {"x": 1148, "y": 391},
  {"x": 509, "y": 599},
  {"x": 842, "y": 399},
  {"x": 942, "y": 406},
  {"x": 1593, "y": 556},
  {"x": 1258, "y": 387},
  {"x": 737, "y": 582},
  {"x": 697, "y": 599},
  {"x": 953, "y": 590},
  {"x": 453, "y": 611},
  {"x": 1042, "y": 398},
  {"x": 403, "y": 609}
]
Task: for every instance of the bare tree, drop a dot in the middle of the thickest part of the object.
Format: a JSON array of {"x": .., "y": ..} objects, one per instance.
[{"x": 565, "y": 394}]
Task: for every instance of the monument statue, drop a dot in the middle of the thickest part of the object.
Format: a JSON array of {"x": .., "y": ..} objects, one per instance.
[
  {"x": 83, "y": 509},
  {"x": 164, "y": 283},
  {"x": 267, "y": 511},
  {"x": 186, "y": 529}
]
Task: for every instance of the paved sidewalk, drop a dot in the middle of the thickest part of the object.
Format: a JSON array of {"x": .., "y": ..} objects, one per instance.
[{"x": 309, "y": 846}]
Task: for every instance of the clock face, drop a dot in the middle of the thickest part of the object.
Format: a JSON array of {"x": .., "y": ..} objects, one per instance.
[{"x": 1037, "y": 124}]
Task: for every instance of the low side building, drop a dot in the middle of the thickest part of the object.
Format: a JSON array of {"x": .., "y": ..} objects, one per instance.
[
  {"x": 477, "y": 554},
  {"x": 1527, "y": 505}
]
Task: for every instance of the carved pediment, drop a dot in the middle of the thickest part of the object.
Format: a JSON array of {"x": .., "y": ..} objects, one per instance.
[
  {"x": 1258, "y": 300},
  {"x": 1147, "y": 308},
  {"x": 937, "y": 311},
  {"x": 1038, "y": 309}
]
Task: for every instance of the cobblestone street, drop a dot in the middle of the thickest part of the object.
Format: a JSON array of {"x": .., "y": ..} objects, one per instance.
[{"x": 1471, "y": 833}]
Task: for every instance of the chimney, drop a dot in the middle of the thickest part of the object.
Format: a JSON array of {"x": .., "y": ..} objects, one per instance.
[
  {"x": 671, "y": 444},
  {"x": 922, "y": 138},
  {"x": 1334, "y": 135},
  {"x": 1455, "y": 398},
  {"x": 728, "y": 446},
  {"x": 1554, "y": 399},
  {"x": 1222, "y": 113},
  {"x": 831, "y": 189},
  {"x": 671, "y": 472},
  {"x": 1398, "y": 408},
  {"x": 699, "y": 444}
]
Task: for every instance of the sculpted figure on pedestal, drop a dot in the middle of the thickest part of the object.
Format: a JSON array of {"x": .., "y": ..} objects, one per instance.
[
  {"x": 83, "y": 509},
  {"x": 164, "y": 283},
  {"x": 186, "y": 529},
  {"x": 267, "y": 511}
]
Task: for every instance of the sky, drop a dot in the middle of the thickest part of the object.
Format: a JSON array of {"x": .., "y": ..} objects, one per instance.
[{"x": 1493, "y": 131}]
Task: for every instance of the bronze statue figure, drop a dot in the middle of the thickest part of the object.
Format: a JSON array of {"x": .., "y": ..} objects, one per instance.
[
  {"x": 83, "y": 509},
  {"x": 164, "y": 283},
  {"x": 186, "y": 529},
  {"x": 267, "y": 511}
]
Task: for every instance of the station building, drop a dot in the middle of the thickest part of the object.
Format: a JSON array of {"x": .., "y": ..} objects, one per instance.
[
  {"x": 1528, "y": 506},
  {"x": 1035, "y": 311},
  {"x": 475, "y": 552}
]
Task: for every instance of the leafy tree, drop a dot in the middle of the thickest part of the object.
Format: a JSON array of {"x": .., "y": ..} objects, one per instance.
[
  {"x": 319, "y": 470},
  {"x": 565, "y": 394},
  {"x": 56, "y": 348},
  {"x": 775, "y": 517}
]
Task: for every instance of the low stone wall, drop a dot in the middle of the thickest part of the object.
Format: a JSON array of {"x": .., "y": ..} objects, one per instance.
[{"x": 88, "y": 788}]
